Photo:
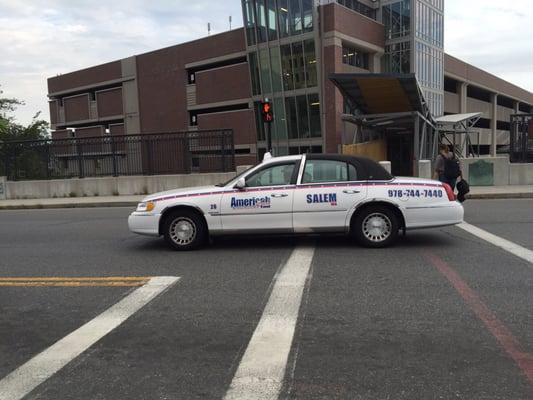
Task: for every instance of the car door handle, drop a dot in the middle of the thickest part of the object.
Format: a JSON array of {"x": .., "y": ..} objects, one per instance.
[
  {"x": 351, "y": 191},
  {"x": 279, "y": 195}
]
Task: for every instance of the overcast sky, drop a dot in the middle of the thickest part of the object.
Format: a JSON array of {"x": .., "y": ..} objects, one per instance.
[{"x": 42, "y": 38}]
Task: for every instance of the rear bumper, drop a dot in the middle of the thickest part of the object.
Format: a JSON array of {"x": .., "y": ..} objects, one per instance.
[
  {"x": 451, "y": 213},
  {"x": 144, "y": 224}
]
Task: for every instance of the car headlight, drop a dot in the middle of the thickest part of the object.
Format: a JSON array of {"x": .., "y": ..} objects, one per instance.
[{"x": 146, "y": 206}]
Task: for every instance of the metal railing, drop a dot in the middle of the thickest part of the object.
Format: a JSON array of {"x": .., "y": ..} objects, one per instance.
[
  {"x": 521, "y": 141},
  {"x": 114, "y": 155}
]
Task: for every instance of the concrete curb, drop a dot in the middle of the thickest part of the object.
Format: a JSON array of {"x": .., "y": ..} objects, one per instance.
[
  {"x": 489, "y": 196},
  {"x": 68, "y": 205}
]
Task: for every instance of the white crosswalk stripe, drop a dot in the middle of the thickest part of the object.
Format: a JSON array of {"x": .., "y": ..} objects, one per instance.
[{"x": 262, "y": 367}]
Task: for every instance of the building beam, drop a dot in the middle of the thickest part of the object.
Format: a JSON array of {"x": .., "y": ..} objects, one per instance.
[
  {"x": 416, "y": 144},
  {"x": 494, "y": 124},
  {"x": 463, "y": 97}
]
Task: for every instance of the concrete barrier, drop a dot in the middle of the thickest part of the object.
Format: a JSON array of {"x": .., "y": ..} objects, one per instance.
[
  {"x": 2, "y": 187},
  {"x": 487, "y": 171},
  {"x": 109, "y": 186},
  {"x": 424, "y": 169},
  {"x": 496, "y": 171},
  {"x": 521, "y": 174}
]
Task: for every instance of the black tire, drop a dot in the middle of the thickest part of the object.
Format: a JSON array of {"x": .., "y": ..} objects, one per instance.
[
  {"x": 385, "y": 232},
  {"x": 184, "y": 230}
]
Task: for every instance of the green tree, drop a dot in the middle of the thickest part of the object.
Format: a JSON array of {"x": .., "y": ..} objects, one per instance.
[
  {"x": 10, "y": 130},
  {"x": 21, "y": 160}
]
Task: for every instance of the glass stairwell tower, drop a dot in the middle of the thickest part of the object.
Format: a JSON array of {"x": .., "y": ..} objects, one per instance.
[
  {"x": 414, "y": 31},
  {"x": 280, "y": 40}
]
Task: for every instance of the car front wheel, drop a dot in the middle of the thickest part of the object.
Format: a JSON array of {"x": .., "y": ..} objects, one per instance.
[
  {"x": 376, "y": 226},
  {"x": 184, "y": 230}
]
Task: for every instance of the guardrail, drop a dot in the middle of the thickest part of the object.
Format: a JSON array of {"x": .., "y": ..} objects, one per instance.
[{"x": 117, "y": 155}]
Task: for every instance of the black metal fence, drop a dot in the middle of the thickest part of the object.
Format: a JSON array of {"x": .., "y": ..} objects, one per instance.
[
  {"x": 521, "y": 142},
  {"x": 113, "y": 155}
]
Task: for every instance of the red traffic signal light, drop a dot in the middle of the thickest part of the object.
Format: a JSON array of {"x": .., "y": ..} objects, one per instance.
[{"x": 266, "y": 111}]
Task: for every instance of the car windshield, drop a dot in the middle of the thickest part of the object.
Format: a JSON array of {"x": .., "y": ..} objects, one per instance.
[{"x": 236, "y": 177}]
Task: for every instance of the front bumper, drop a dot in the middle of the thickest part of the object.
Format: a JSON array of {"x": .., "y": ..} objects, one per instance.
[{"x": 144, "y": 223}]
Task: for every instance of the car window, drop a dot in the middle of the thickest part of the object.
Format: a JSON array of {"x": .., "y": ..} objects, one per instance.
[
  {"x": 317, "y": 171},
  {"x": 279, "y": 174}
]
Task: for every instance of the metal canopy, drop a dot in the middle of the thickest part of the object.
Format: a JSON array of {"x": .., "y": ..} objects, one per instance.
[
  {"x": 391, "y": 104},
  {"x": 382, "y": 93},
  {"x": 451, "y": 129},
  {"x": 453, "y": 119}
]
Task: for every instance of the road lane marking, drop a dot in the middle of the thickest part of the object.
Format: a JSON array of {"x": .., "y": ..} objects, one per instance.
[
  {"x": 513, "y": 248},
  {"x": 126, "y": 281},
  {"x": 503, "y": 335},
  {"x": 28, "y": 376},
  {"x": 262, "y": 367}
]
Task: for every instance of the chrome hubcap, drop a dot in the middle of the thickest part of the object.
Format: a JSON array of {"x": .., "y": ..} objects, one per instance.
[
  {"x": 182, "y": 231},
  {"x": 377, "y": 227}
]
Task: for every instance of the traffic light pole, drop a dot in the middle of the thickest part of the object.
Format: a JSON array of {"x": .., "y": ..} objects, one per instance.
[
  {"x": 268, "y": 117},
  {"x": 269, "y": 137}
]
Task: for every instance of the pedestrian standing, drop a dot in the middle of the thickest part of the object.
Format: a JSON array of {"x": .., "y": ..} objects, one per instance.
[{"x": 447, "y": 167}]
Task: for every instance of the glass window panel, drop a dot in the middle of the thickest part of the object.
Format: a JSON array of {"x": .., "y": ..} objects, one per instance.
[
  {"x": 406, "y": 17},
  {"x": 298, "y": 65},
  {"x": 261, "y": 21},
  {"x": 303, "y": 120},
  {"x": 295, "y": 16},
  {"x": 275, "y": 60},
  {"x": 352, "y": 173},
  {"x": 396, "y": 19},
  {"x": 249, "y": 22},
  {"x": 317, "y": 171},
  {"x": 307, "y": 15},
  {"x": 387, "y": 21},
  {"x": 259, "y": 124},
  {"x": 314, "y": 115},
  {"x": 265, "y": 71},
  {"x": 286, "y": 67},
  {"x": 283, "y": 15},
  {"x": 280, "y": 127},
  {"x": 271, "y": 20},
  {"x": 310, "y": 62},
  {"x": 292, "y": 124},
  {"x": 254, "y": 73},
  {"x": 280, "y": 174}
]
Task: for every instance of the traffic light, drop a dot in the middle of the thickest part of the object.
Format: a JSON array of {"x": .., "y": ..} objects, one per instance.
[{"x": 266, "y": 111}]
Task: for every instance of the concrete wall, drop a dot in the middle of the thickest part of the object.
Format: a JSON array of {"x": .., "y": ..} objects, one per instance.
[
  {"x": 521, "y": 174},
  {"x": 124, "y": 185},
  {"x": 504, "y": 173},
  {"x": 2, "y": 187}
]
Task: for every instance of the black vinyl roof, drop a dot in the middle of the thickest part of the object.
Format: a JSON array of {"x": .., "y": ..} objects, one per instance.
[{"x": 367, "y": 169}]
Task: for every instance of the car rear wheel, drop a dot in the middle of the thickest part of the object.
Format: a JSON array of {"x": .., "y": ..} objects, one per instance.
[
  {"x": 184, "y": 230},
  {"x": 376, "y": 226}
]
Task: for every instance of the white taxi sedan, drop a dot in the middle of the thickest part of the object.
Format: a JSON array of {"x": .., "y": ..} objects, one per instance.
[{"x": 300, "y": 194}]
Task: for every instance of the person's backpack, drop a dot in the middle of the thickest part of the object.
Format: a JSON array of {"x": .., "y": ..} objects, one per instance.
[
  {"x": 463, "y": 188},
  {"x": 452, "y": 167}
]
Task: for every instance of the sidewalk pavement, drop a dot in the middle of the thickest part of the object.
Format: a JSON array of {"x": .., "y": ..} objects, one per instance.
[{"x": 476, "y": 192}]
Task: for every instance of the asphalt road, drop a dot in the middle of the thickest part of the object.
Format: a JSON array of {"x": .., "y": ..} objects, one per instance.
[{"x": 442, "y": 315}]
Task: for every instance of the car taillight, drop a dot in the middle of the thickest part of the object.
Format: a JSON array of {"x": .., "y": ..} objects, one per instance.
[{"x": 449, "y": 192}]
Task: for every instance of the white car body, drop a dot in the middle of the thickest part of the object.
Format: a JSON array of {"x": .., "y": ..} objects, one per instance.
[{"x": 300, "y": 207}]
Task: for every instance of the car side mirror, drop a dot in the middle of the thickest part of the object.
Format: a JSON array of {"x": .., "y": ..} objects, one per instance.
[{"x": 240, "y": 184}]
